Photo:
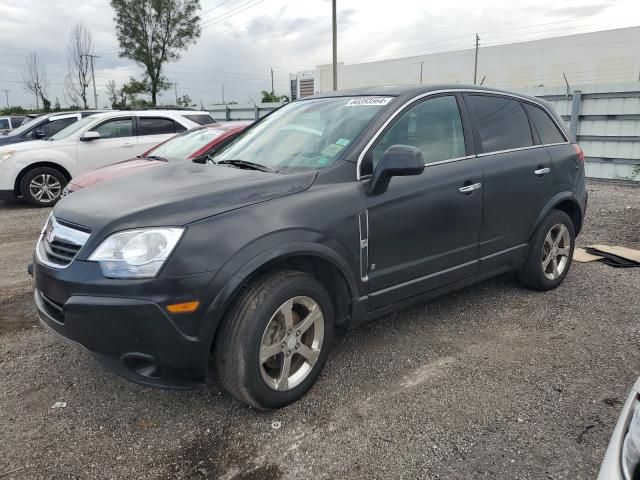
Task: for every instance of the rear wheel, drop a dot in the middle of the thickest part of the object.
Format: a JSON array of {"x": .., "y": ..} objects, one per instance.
[
  {"x": 550, "y": 253},
  {"x": 42, "y": 186},
  {"x": 275, "y": 340}
]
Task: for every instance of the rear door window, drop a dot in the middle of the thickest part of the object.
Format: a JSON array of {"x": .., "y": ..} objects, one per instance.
[
  {"x": 547, "y": 130},
  {"x": 157, "y": 126},
  {"x": 4, "y": 124},
  {"x": 502, "y": 122}
]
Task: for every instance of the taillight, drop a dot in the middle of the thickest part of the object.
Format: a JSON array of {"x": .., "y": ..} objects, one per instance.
[{"x": 579, "y": 153}]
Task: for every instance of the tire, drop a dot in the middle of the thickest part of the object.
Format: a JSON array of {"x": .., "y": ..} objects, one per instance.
[
  {"x": 256, "y": 320},
  {"x": 34, "y": 182},
  {"x": 546, "y": 266}
]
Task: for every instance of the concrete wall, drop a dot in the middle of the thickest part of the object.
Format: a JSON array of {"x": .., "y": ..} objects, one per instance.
[{"x": 598, "y": 57}]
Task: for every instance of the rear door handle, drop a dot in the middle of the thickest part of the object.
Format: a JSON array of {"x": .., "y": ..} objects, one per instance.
[
  {"x": 542, "y": 171},
  {"x": 127, "y": 144},
  {"x": 470, "y": 188}
]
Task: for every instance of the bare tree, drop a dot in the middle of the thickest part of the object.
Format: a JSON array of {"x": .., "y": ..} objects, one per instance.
[
  {"x": 34, "y": 79},
  {"x": 79, "y": 47}
]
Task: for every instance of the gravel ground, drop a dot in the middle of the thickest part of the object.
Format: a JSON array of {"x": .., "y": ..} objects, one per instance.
[{"x": 493, "y": 381}]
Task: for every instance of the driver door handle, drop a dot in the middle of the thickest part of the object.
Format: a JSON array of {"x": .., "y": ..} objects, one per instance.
[
  {"x": 470, "y": 188},
  {"x": 542, "y": 171}
]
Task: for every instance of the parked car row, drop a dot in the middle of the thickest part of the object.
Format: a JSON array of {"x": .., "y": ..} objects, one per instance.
[
  {"x": 38, "y": 170},
  {"x": 8, "y": 124}
]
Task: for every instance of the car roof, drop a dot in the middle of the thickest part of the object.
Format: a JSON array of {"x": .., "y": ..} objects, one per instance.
[
  {"x": 415, "y": 90},
  {"x": 227, "y": 125},
  {"x": 147, "y": 113}
]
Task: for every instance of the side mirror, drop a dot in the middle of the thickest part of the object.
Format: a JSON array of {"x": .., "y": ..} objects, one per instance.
[
  {"x": 89, "y": 136},
  {"x": 397, "y": 161},
  {"x": 38, "y": 133}
]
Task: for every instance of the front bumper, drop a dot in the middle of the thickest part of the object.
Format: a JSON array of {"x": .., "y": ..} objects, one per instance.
[
  {"x": 7, "y": 195},
  {"x": 124, "y": 323},
  {"x": 611, "y": 468}
]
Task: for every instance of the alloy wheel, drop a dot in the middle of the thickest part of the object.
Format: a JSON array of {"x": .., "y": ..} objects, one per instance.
[
  {"x": 555, "y": 251},
  {"x": 291, "y": 343},
  {"x": 45, "y": 187}
]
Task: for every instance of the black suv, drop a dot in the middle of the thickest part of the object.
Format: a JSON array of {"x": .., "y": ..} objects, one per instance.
[{"x": 330, "y": 212}]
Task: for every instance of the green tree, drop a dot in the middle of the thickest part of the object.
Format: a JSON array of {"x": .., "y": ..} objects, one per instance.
[
  {"x": 185, "y": 101},
  {"x": 56, "y": 106},
  {"x": 270, "y": 97},
  {"x": 154, "y": 32}
]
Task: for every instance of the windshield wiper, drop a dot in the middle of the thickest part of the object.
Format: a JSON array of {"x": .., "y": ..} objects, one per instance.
[
  {"x": 246, "y": 164},
  {"x": 156, "y": 157}
]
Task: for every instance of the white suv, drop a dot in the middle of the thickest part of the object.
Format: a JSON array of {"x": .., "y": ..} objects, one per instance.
[{"x": 39, "y": 170}]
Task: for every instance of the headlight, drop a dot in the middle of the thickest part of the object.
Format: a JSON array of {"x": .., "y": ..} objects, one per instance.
[
  {"x": 137, "y": 253},
  {"x": 6, "y": 154},
  {"x": 631, "y": 447}
]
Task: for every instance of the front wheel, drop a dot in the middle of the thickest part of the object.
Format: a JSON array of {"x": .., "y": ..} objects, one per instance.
[
  {"x": 42, "y": 186},
  {"x": 550, "y": 253},
  {"x": 275, "y": 340}
]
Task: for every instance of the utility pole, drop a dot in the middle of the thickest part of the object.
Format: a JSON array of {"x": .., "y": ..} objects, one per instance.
[
  {"x": 335, "y": 45},
  {"x": 272, "y": 92},
  {"x": 222, "y": 88},
  {"x": 6, "y": 93},
  {"x": 475, "y": 65},
  {"x": 93, "y": 77},
  {"x": 175, "y": 89},
  {"x": 421, "y": 65}
]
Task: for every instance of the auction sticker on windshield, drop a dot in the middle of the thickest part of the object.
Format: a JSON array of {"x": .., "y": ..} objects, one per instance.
[{"x": 366, "y": 101}]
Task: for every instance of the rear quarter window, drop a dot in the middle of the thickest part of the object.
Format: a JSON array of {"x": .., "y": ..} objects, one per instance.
[
  {"x": 502, "y": 123},
  {"x": 200, "y": 119},
  {"x": 157, "y": 126},
  {"x": 547, "y": 130}
]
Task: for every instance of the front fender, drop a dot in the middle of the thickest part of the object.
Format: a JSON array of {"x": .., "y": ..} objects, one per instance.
[{"x": 228, "y": 285}]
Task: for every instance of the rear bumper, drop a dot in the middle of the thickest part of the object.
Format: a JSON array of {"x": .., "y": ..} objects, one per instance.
[{"x": 125, "y": 323}]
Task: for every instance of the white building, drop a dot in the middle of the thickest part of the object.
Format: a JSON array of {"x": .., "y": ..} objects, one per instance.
[{"x": 608, "y": 56}]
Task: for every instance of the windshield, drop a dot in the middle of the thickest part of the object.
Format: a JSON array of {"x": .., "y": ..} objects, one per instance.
[
  {"x": 304, "y": 135},
  {"x": 73, "y": 128},
  {"x": 185, "y": 145}
]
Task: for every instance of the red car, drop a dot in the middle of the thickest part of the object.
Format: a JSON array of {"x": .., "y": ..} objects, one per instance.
[{"x": 186, "y": 146}]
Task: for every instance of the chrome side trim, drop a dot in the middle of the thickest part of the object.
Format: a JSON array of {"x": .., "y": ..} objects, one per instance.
[
  {"x": 453, "y": 91},
  {"x": 363, "y": 228},
  {"x": 420, "y": 279}
]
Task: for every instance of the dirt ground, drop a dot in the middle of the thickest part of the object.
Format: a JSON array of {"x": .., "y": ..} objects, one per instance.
[{"x": 494, "y": 381}]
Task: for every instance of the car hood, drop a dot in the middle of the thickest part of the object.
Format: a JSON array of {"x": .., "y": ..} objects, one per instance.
[
  {"x": 111, "y": 171},
  {"x": 10, "y": 140},
  {"x": 35, "y": 144},
  {"x": 174, "y": 194}
]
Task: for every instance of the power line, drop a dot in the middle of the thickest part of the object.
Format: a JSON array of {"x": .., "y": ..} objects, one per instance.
[{"x": 225, "y": 16}]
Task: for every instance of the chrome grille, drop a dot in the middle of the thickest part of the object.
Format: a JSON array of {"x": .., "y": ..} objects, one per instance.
[{"x": 59, "y": 244}]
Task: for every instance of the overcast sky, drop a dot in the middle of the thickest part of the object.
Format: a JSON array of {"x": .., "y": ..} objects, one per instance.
[{"x": 243, "y": 39}]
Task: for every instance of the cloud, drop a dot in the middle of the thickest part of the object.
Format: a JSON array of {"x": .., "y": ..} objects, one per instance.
[
  {"x": 238, "y": 48},
  {"x": 578, "y": 11}
]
